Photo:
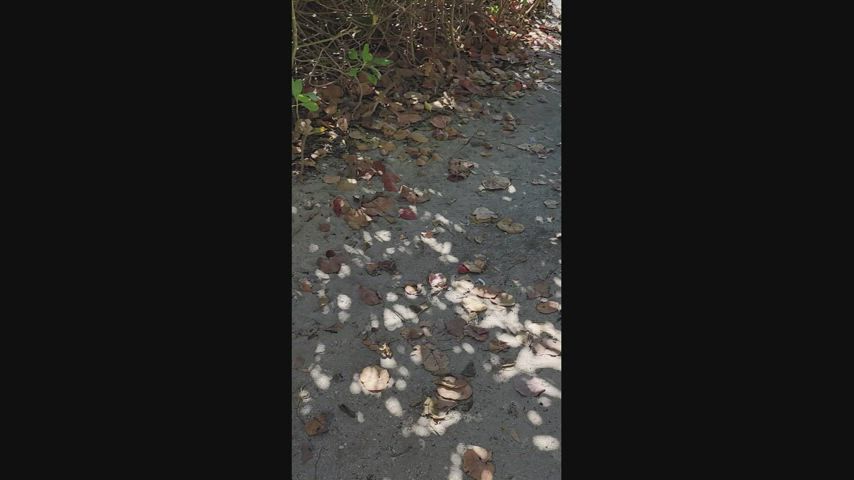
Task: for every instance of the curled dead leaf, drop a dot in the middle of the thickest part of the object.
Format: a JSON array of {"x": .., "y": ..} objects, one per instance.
[
  {"x": 496, "y": 346},
  {"x": 329, "y": 265},
  {"x": 412, "y": 196},
  {"x": 507, "y": 225},
  {"x": 418, "y": 137},
  {"x": 486, "y": 292},
  {"x": 411, "y": 333},
  {"x": 495, "y": 182},
  {"x": 477, "y": 333},
  {"x": 407, "y": 214},
  {"x": 475, "y": 466},
  {"x": 548, "y": 307},
  {"x": 374, "y": 378},
  {"x": 528, "y": 386},
  {"x": 369, "y": 296},
  {"x": 464, "y": 392},
  {"x": 540, "y": 289},
  {"x": 478, "y": 265},
  {"x": 440, "y": 121},
  {"x": 455, "y": 327},
  {"x": 504, "y": 299},
  {"x": 473, "y": 304},
  {"x": 483, "y": 215},
  {"x": 356, "y": 219},
  {"x": 432, "y": 359},
  {"x": 316, "y": 425}
]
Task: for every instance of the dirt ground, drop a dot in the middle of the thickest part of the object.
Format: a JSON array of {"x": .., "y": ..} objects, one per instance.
[{"x": 389, "y": 439}]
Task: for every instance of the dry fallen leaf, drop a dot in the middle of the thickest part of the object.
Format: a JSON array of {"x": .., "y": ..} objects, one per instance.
[
  {"x": 495, "y": 182},
  {"x": 540, "y": 289},
  {"x": 548, "y": 307},
  {"x": 476, "y": 466},
  {"x": 486, "y": 292},
  {"x": 459, "y": 169},
  {"x": 508, "y": 226},
  {"x": 437, "y": 280},
  {"x": 411, "y": 196},
  {"x": 477, "y": 333},
  {"x": 483, "y": 215},
  {"x": 411, "y": 333},
  {"x": 306, "y": 453},
  {"x": 369, "y": 296},
  {"x": 529, "y": 386},
  {"x": 539, "y": 181},
  {"x": 316, "y": 425},
  {"x": 356, "y": 219},
  {"x": 374, "y": 378},
  {"x": 432, "y": 359},
  {"x": 418, "y": 137},
  {"x": 407, "y": 214},
  {"x": 504, "y": 299},
  {"x": 329, "y": 265},
  {"x": 496, "y": 346},
  {"x": 455, "y": 327},
  {"x": 440, "y": 121},
  {"x": 473, "y": 304},
  {"x": 380, "y": 203},
  {"x": 334, "y": 328},
  {"x": 331, "y": 178},
  {"x": 464, "y": 392},
  {"x": 550, "y": 203}
]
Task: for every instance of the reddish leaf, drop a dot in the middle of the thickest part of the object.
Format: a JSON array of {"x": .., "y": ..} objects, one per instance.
[
  {"x": 338, "y": 205},
  {"x": 369, "y": 296},
  {"x": 462, "y": 269},
  {"x": 407, "y": 214},
  {"x": 440, "y": 121},
  {"x": 469, "y": 85}
]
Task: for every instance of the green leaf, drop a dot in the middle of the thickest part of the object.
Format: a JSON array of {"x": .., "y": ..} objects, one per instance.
[
  {"x": 366, "y": 54},
  {"x": 352, "y": 55},
  {"x": 381, "y": 61},
  {"x": 353, "y": 71},
  {"x": 376, "y": 72},
  {"x": 311, "y": 106},
  {"x": 303, "y": 97},
  {"x": 312, "y": 96},
  {"x": 371, "y": 78},
  {"x": 296, "y": 87}
]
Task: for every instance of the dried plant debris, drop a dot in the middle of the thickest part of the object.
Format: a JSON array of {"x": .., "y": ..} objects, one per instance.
[
  {"x": 540, "y": 289},
  {"x": 455, "y": 327},
  {"x": 528, "y": 386},
  {"x": 486, "y": 291},
  {"x": 473, "y": 304},
  {"x": 478, "y": 333},
  {"x": 504, "y": 299},
  {"x": 495, "y": 182},
  {"x": 551, "y": 203},
  {"x": 478, "y": 265},
  {"x": 413, "y": 196},
  {"x": 368, "y": 296},
  {"x": 547, "y": 307},
  {"x": 437, "y": 281},
  {"x": 453, "y": 387},
  {"x": 509, "y": 226},
  {"x": 330, "y": 265},
  {"x": 411, "y": 333},
  {"x": 459, "y": 169},
  {"x": 381, "y": 266},
  {"x": 432, "y": 359},
  {"x": 496, "y": 346},
  {"x": 374, "y": 378},
  {"x": 483, "y": 215},
  {"x": 316, "y": 426},
  {"x": 477, "y": 464}
]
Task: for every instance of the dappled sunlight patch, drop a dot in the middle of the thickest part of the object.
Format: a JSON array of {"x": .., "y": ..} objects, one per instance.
[
  {"x": 391, "y": 297},
  {"x": 468, "y": 348},
  {"x": 392, "y": 404},
  {"x": 535, "y": 418},
  {"x": 504, "y": 318},
  {"x": 546, "y": 443},
  {"x": 320, "y": 379},
  {"x": 403, "y": 371},
  {"x": 356, "y": 251},
  {"x": 343, "y": 316},
  {"x": 400, "y": 384},
  {"x": 345, "y": 271},
  {"x": 557, "y": 281},
  {"x": 540, "y": 328},
  {"x": 390, "y": 251},
  {"x": 343, "y": 301},
  {"x": 512, "y": 341},
  {"x": 511, "y": 189},
  {"x": 390, "y": 320},
  {"x": 383, "y": 235},
  {"x": 507, "y": 199},
  {"x": 388, "y": 362},
  {"x": 313, "y": 248},
  {"x": 528, "y": 362},
  {"x": 360, "y": 417}
]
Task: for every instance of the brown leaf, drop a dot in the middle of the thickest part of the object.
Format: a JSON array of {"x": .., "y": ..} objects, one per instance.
[
  {"x": 334, "y": 328},
  {"x": 540, "y": 289},
  {"x": 407, "y": 118},
  {"x": 418, "y": 137},
  {"x": 401, "y": 134},
  {"x": 324, "y": 227},
  {"x": 469, "y": 85},
  {"x": 478, "y": 265},
  {"x": 369, "y": 296},
  {"x": 316, "y": 425},
  {"x": 411, "y": 333},
  {"x": 331, "y": 178},
  {"x": 495, "y": 182},
  {"x": 437, "y": 280},
  {"x": 477, "y": 467},
  {"x": 305, "y": 285},
  {"x": 432, "y": 359},
  {"x": 407, "y": 214},
  {"x": 329, "y": 265},
  {"x": 346, "y": 184},
  {"x": 306, "y": 453},
  {"x": 477, "y": 333},
  {"x": 473, "y": 304},
  {"x": 412, "y": 196},
  {"x": 440, "y": 121},
  {"x": 381, "y": 203},
  {"x": 486, "y": 292},
  {"x": 483, "y": 215},
  {"x": 455, "y": 327},
  {"x": 356, "y": 219},
  {"x": 504, "y": 299},
  {"x": 508, "y": 226},
  {"x": 548, "y": 307},
  {"x": 496, "y": 346},
  {"x": 529, "y": 386},
  {"x": 463, "y": 393},
  {"x": 374, "y": 378}
]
